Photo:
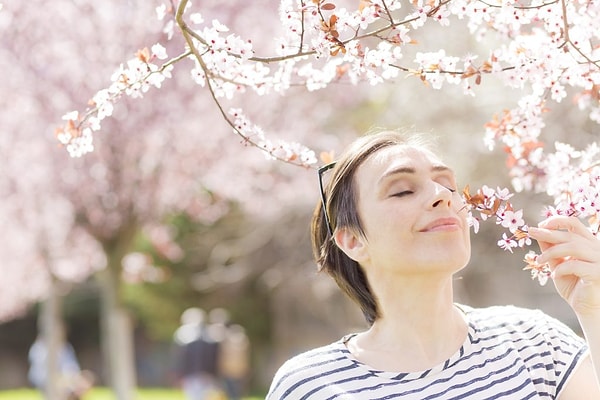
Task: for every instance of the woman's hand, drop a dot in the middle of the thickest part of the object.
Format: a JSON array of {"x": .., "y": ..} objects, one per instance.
[{"x": 573, "y": 254}]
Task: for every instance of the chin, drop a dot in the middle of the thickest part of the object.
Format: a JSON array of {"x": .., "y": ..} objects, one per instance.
[
  {"x": 449, "y": 264},
  {"x": 457, "y": 254}
]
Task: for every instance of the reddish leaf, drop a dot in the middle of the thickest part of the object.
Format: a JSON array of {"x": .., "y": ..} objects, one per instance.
[
  {"x": 496, "y": 206},
  {"x": 519, "y": 234},
  {"x": 143, "y": 54},
  {"x": 327, "y": 156},
  {"x": 363, "y": 3}
]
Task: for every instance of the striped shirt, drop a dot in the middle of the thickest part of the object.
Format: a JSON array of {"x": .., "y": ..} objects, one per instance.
[{"x": 509, "y": 353}]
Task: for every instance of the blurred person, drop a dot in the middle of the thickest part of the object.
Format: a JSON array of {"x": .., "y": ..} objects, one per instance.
[
  {"x": 233, "y": 352},
  {"x": 192, "y": 323},
  {"x": 392, "y": 230},
  {"x": 234, "y": 361},
  {"x": 217, "y": 323},
  {"x": 196, "y": 359},
  {"x": 73, "y": 383}
]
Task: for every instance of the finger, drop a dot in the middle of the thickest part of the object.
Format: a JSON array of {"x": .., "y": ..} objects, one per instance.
[
  {"x": 580, "y": 250},
  {"x": 549, "y": 236},
  {"x": 580, "y": 269},
  {"x": 564, "y": 223}
]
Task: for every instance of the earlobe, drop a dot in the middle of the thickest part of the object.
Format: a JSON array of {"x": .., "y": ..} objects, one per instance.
[{"x": 351, "y": 243}]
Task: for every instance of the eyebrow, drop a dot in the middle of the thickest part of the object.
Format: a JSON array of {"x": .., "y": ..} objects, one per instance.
[{"x": 411, "y": 170}]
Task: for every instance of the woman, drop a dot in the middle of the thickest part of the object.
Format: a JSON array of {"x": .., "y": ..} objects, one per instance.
[{"x": 392, "y": 232}]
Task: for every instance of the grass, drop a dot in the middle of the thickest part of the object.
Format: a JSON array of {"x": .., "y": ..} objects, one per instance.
[{"x": 103, "y": 394}]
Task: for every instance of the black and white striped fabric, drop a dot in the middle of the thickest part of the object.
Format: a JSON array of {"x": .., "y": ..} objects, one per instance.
[{"x": 510, "y": 353}]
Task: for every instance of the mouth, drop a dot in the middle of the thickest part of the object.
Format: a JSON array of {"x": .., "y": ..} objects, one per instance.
[{"x": 442, "y": 225}]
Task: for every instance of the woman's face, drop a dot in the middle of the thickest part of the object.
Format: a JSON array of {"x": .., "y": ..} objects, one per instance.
[{"x": 413, "y": 216}]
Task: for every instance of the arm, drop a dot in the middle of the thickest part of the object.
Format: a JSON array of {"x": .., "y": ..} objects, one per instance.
[
  {"x": 573, "y": 254},
  {"x": 582, "y": 383}
]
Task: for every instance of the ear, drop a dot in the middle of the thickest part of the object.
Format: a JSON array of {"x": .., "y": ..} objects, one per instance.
[{"x": 351, "y": 243}]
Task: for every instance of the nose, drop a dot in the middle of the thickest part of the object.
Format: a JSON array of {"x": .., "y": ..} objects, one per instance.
[{"x": 442, "y": 196}]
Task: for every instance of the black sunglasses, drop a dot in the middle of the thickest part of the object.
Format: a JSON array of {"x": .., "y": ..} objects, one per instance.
[{"x": 322, "y": 170}]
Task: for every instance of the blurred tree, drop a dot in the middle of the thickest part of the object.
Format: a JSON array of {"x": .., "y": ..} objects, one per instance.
[{"x": 70, "y": 218}]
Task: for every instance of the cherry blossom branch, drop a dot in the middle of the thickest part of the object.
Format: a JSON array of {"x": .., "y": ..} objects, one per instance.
[
  {"x": 495, "y": 205},
  {"x": 251, "y": 134},
  {"x": 431, "y": 65},
  {"x": 140, "y": 75},
  {"x": 520, "y": 7},
  {"x": 575, "y": 190}
]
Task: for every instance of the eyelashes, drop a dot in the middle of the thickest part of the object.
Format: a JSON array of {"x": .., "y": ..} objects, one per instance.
[
  {"x": 403, "y": 193},
  {"x": 409, "y": 192}
]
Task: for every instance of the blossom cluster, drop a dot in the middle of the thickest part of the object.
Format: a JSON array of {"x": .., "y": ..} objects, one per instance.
[
  {"x": 576, "y": 194},
  {"x": 493, "y": 204},
  {"x": 570, "y": 177},
  {"x": 294, "y": 153},
  {"x": 133, "y": 79}
]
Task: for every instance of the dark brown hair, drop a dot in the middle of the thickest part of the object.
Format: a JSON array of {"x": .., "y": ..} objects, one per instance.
[{"x": 341, "y": 206}]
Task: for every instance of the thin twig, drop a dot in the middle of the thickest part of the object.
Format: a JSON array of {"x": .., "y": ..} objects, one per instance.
[{"x": 189, "y": 39}]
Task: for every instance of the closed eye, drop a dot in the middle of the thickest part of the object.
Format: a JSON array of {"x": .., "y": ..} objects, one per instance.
[{"x": 403, "y": 193}]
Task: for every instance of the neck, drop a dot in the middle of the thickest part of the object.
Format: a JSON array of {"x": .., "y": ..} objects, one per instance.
[{"x": 419, "y": 325}]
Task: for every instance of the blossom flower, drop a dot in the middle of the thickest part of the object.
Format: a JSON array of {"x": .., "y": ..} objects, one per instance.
[
  {"x": 473, "y": 222},
  {"x": 541, "y": 272},
  {"x": 512, "y": 220},
  {"x": 507, "y": 243},
  {"x": 161, "y": 11},
  {"x": 159, "y": 51},
  {"x": 197, "y": 18}
]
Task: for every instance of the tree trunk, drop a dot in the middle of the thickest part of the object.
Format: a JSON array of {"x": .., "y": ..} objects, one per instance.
[
  {"x": 117, "y": 333},
  {"x": 52, "y": 334}
]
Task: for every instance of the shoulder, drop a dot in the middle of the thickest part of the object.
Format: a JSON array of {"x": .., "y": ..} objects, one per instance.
[
  {"x": 522, "y": 325},
  {"x": 315, "y": 359},
  {"x": 498, "y": 310},
  {"x": 307, "y": 369},
  {"x": 519, "y": 318},
  {"x": 528, "y": 338}
]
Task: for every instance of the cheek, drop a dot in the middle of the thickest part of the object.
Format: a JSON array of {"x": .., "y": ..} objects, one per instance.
[{"x": 394, "y": 223}]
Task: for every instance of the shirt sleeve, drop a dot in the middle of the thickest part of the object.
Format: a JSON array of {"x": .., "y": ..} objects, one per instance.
[
  {"x": 567, "y": 348},
  {"x": 282, "y": 383}
]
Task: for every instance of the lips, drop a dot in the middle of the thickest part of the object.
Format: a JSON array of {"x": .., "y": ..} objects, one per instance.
[{"x": 442, "y": 224}]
